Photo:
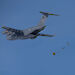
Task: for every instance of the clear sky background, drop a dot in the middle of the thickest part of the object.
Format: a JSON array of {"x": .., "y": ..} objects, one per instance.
[{"x": 31, "y": 57}]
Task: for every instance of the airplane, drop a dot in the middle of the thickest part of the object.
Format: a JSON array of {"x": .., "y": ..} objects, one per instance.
[{"x": 29, "y": 33}]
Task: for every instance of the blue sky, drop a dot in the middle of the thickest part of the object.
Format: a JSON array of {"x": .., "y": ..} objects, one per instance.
[{"x": 31, "y": 57}]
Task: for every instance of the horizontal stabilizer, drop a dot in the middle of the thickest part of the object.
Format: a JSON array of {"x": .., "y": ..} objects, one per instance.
[{"x": 47, "y": 13}]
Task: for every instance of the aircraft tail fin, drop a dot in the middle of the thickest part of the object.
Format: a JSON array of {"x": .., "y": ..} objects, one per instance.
[{"x": 44, "y": 17}]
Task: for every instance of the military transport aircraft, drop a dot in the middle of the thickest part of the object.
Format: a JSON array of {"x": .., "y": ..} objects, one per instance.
[{"x": 30, "y": 33}]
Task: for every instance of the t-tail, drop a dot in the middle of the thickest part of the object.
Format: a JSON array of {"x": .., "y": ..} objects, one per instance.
[
  {"x": 44, "y": 17},
  {"x": 47, "y": 13}
]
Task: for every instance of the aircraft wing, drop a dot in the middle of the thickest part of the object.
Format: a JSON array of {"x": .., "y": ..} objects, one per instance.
[
  {"x": 12, "y": 33},
  {"x": 8, "y": 29}
]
